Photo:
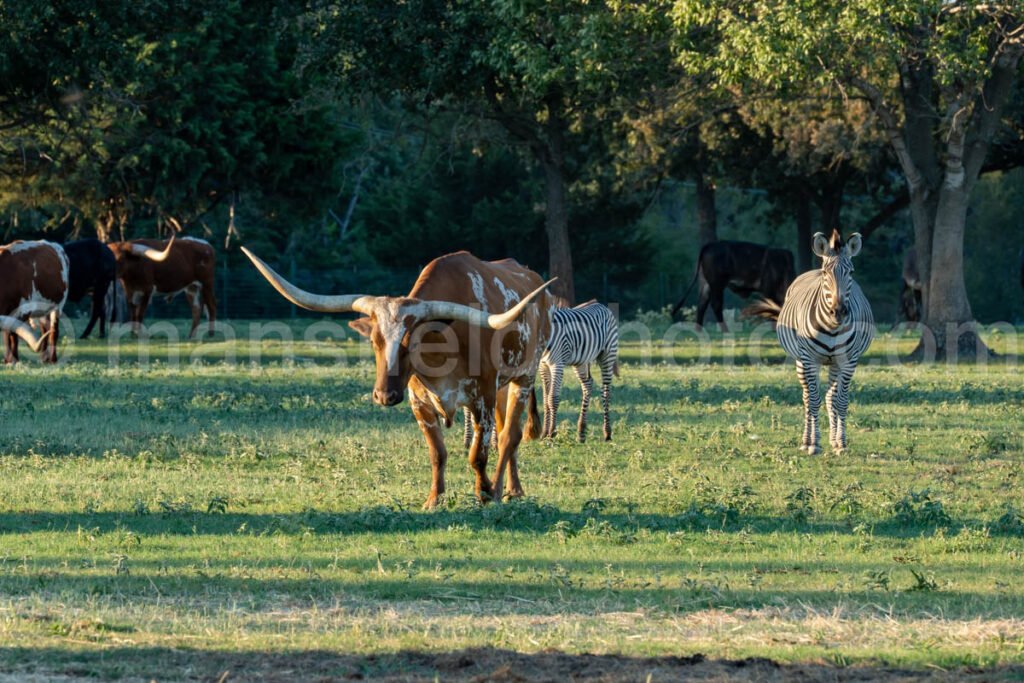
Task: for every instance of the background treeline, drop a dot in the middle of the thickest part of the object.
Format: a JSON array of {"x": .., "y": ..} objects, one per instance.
[{"x": 351, "y": 143}]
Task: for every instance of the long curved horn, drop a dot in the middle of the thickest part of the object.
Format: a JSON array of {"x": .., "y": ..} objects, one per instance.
[
  {"x": 342, "y": 303},
  {"x": 437, "y": 310},
  {"x": 9, "y": 324},
  {"x": 151, "y": 253}
]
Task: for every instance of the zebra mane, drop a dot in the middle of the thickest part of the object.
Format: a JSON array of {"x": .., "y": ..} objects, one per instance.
[{"x": 836, "y": 241}]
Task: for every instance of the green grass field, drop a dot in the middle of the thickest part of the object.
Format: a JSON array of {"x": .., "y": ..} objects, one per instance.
[{"x": 176, "y": 511}]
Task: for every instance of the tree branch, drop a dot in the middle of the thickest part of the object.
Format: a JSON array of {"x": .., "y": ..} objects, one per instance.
[{"x": 883, "y": 216}]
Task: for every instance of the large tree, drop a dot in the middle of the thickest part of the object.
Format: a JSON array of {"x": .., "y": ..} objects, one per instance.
[
  {"x": 157, "y": 110},
  {"x": 546, "y": 72},
  {"x": 938, "y": 75}
]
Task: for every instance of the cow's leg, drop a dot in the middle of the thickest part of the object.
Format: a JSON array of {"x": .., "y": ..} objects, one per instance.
[
  {"x": 430, "y": 425},
  {"x": 140, "y": 302},
  {"x": 555, "y": 396},
  {"x": 196, "y": 304},
  {"x": 807, "y": 372},
  {"x": 10, "y": 347},
  {"x": 704, "y": 298},
  {"x": 484, "y": 417},
  {"x": 587, "y": 384},
  {"x": 95, "y": 313},
  {"x": 511, "y": 434},
  {"x": 51, "y": 331},
  {"x": 210, "y": 304},
  {"x": 717, "y": 305}
]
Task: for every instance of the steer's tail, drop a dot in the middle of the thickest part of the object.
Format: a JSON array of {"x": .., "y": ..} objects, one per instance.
[
  {"x": 765, "y": 308},
  {"x": 696, "y": 274},
  {"x": 533, "y": 418}
]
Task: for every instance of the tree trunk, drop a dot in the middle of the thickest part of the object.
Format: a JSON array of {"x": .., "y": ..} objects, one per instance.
[
  {"x": 556, "y": 213},
  {"x": 803, "y": 235},
  {"x": 948, "y": 314},
  {"x": 707, "y": 216},
  {"x": 556, "y": 223}
]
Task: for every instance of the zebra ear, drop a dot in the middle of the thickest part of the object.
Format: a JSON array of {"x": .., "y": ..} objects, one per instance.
[
  {"x": 853, "y": 244},
  {"x": 820, "y": 246}
]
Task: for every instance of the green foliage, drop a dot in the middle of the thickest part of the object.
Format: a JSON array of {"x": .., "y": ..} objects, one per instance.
[{"x": 173, "y": 110}]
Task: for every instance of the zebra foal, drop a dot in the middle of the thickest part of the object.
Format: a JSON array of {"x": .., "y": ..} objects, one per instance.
[
  {"x": 825, "y": 320},
  {"x": 580, "y": 336}
]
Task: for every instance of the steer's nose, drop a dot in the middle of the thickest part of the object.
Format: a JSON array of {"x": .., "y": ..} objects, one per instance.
[{"x": 387, "y": 397}]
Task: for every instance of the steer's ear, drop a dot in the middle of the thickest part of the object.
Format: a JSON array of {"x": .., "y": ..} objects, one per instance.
[{"x": 363, "y": 326}]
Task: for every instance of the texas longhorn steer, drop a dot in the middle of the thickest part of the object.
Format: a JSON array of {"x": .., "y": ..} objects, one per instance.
[
  {"x": 93, "y": 269},
  {"x": 743, "y": 267},
  {"x": 34, "y": 286},
  {"x": 467, "y": 328},
  {"x": 184, "y": 264}
]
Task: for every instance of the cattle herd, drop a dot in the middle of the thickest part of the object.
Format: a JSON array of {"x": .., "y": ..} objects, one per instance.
[{"x": 472, "y": 335}]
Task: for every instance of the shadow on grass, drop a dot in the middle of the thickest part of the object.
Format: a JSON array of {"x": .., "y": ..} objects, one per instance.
[
  {"x": 478, "y": 665},
  {"x": 517, "y": 516}
]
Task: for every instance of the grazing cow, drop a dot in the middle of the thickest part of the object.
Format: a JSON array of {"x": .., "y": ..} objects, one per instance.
[
  {"x": 15, "y": 326},
  {"x": 34, "y": 287},
  {"x": 467, "y": 328},
  {"x": 910, "y": 294},
  {"x": 184, "y": 264},
  {"x": 93, "y": 270},
  {"x": 743, "y": 267}
]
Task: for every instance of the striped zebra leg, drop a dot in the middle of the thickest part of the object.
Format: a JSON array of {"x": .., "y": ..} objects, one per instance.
[
  {"x": 831, "y": 405},
  {"x": 607, "y": 369},
  {"x": 551, "y": 409},
  {"x": 842, "y": 402},
  {"x": 545, "y": 381},
  {"x": 467, "y": 427},
  {"x": 587, "y": 385},
  {"x": 807, "y": 372}
]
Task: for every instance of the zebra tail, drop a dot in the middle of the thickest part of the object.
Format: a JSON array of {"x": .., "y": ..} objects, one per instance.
[
  {"x": 615, "y": 368},
  {"x": 765, "y": 308},
  {"x": 533, "y": 418}
]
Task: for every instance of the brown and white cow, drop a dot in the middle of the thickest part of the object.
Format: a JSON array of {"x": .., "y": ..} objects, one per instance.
[
  {"x": 467, "y": 328},
  {"x": 34, "y": 286},
  {"x": 167, "y": 267},
  {"x": 15, "y": 326}
]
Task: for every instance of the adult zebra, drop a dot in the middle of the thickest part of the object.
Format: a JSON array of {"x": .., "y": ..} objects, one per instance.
[
  {"x": 826, "y": 320},
  {"x": 580, "y": 336}
]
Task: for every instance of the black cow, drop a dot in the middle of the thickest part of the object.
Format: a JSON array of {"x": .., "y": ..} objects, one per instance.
[
  {"x": 93, "y": 269},
  {"x": 743, "y": 267},
  {"x": 910, "y": 294}
]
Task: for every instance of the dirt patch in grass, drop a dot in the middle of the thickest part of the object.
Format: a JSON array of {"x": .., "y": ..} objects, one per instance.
[{"x": 484, "y": 665}]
